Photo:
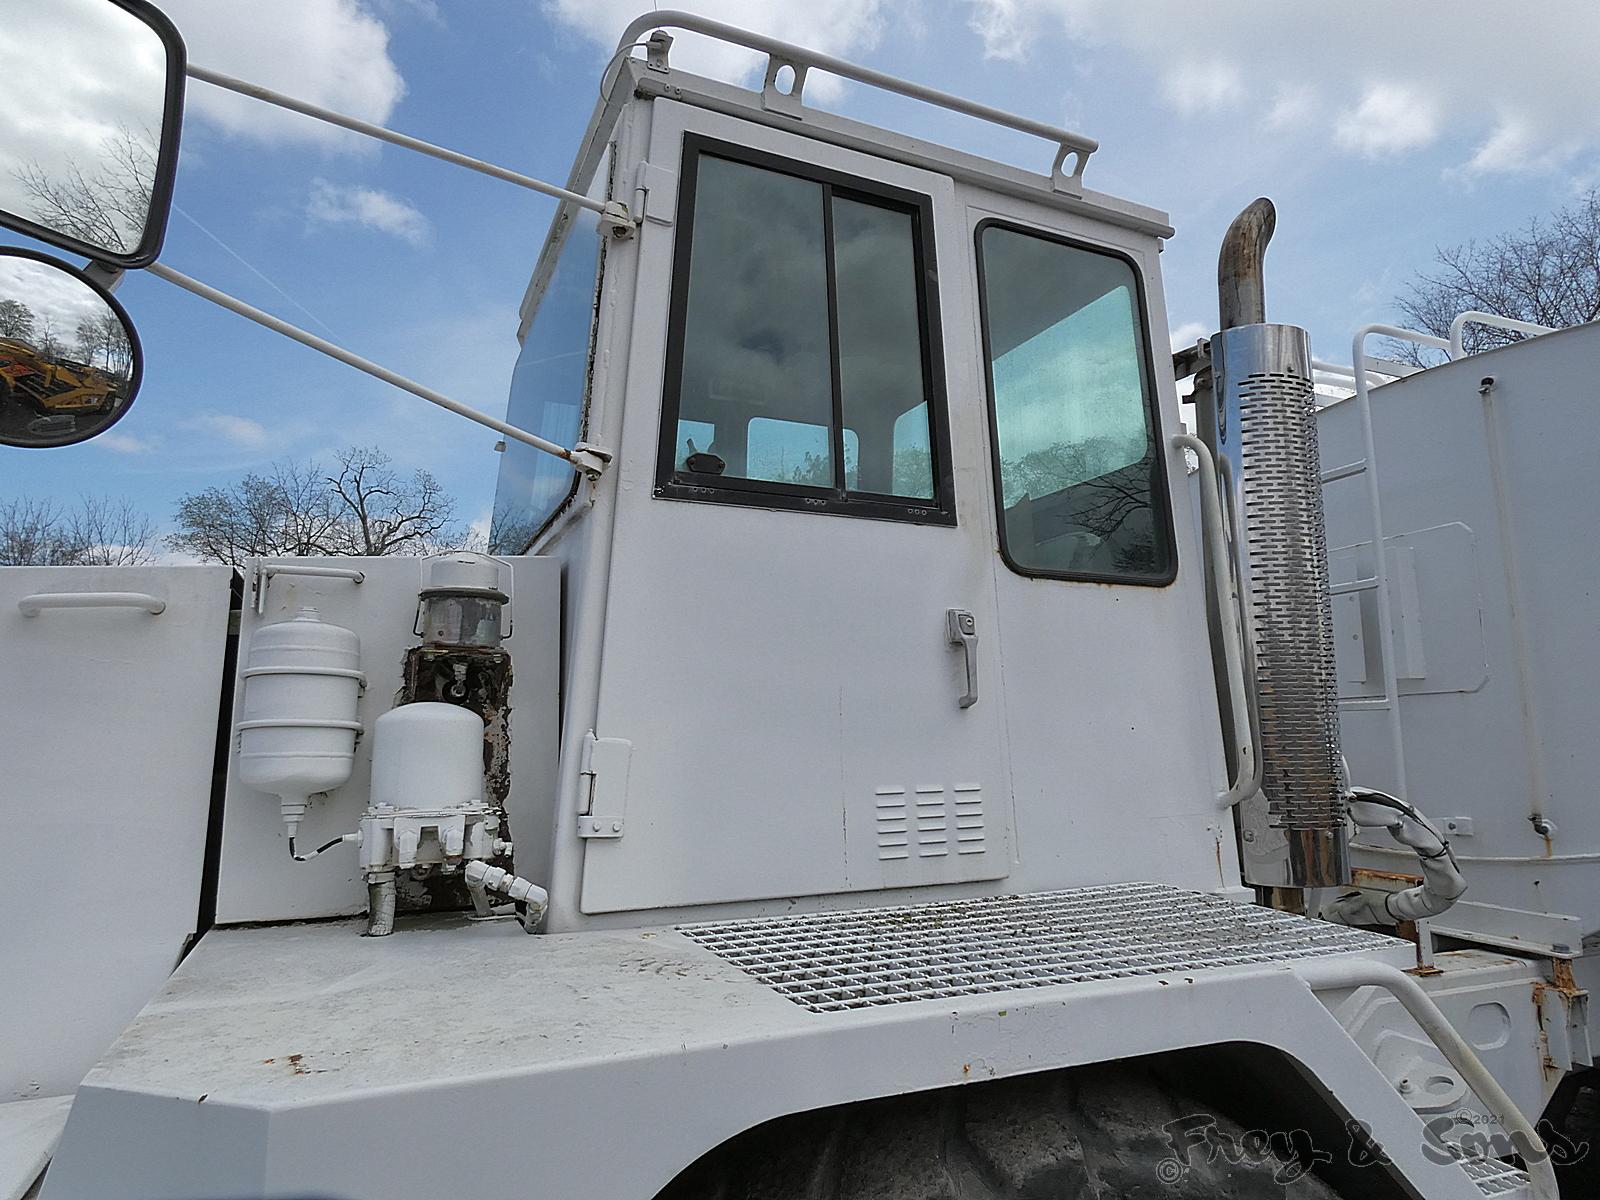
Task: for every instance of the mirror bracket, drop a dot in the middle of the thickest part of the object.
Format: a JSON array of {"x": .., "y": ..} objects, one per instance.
[{"x": 106, "y": 276}]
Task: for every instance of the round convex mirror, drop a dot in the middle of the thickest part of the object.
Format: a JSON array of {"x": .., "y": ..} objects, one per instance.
[{"x": 69, "y": 358}]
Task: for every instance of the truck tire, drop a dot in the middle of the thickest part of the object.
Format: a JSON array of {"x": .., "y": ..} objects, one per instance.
[{"x": 1095, "y": 1133}]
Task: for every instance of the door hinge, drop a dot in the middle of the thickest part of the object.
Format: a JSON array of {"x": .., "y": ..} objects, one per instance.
[
  {"x": 604, "y": 791},
  {"x": 655, "y": 193}
]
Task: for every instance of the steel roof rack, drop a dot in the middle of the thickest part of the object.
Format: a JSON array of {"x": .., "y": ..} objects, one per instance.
[{"x": 799, "y": 60}]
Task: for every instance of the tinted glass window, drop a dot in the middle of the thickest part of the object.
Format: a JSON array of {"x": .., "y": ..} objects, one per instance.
[
  {"x": 549, "y": 388},
  {"x": 880, "y": 348},
  {"x": 801, "y": 351},
  {"x": 755, "y": 335},
  {"x": 1079, "y": 475}
]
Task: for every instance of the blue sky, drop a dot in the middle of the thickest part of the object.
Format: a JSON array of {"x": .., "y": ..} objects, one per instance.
[{"x": 1378, "y": 134}]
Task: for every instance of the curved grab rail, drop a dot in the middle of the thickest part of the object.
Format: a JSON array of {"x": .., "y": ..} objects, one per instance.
[
  {"x": 1247, "y": 751},
  {"x": 1474, "y": 316},
  {"x": 1327, "y": 974},
  {"x": 798, "y": 59},
  {"x": 32, "y": 606}
]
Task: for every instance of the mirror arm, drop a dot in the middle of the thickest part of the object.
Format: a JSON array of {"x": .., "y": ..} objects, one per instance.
[
  {"x": 613, "y": 212},
  {"x": 108, "y": 277},
  {"x": 591, "y": 461}
]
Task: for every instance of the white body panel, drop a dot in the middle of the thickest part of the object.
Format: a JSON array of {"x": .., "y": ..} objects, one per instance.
[
  {"x": 108, "y": 720},
  {"x": 1488, "y": 505},
  {"x": 276, "y": 1084}
]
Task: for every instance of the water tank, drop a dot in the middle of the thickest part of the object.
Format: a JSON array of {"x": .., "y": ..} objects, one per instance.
[
  {"x": 428, "y": 756},
  {"x": 297, "y": 725}
]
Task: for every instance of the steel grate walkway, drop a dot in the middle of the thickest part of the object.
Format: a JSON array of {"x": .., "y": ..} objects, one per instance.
[{"x": 828, "y": 962}]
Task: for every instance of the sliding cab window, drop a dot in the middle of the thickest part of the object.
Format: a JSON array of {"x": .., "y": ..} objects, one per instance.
[
  {"x": 1078, "y": 471},
  {"x": 802, "y": 368}
]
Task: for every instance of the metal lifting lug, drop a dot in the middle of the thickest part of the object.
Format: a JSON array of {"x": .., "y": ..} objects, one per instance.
[
  {"x": 615, "y": 214},
  {"x": 591, "y": 460}
]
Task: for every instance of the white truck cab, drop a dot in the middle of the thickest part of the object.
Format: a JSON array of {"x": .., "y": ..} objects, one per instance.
[{"x": 915, "y": 756}]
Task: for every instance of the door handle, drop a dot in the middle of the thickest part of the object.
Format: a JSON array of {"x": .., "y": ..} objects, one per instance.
[{"x": 962, "y": 629}]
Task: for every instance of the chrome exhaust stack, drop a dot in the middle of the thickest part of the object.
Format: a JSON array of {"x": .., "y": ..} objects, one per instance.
[{"x": 1260, "y": 421}]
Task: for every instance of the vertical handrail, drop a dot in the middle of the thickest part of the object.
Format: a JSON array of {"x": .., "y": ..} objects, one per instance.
[
  {"x": 1380, "y": 561},
  {"x": 1229, "y": 614}
]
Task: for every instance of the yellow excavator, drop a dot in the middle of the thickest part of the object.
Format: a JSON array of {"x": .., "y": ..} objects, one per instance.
[{"x": 53, "y": 385}]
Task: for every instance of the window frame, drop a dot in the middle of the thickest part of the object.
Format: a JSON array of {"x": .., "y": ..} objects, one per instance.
[
  {"x": 1160, "y": 492},
  {"x": 671, "y": 484}
]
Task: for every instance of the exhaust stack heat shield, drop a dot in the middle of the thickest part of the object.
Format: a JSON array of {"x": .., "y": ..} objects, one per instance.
[{"x": 1264, "y": 428}]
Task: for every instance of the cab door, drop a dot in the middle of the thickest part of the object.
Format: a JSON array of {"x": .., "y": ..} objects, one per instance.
[
  {"x": 800, "y": 693},
  {"x": 1109, "y": 694}
]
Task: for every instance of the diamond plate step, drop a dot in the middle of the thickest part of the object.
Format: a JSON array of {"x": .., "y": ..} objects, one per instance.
[
  {"x": 828, "y": 962},
  {"x": 1495, "y": 1178}
]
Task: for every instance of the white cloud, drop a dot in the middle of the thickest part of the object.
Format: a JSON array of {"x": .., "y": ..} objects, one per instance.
[
  {"x": 336, "y": 204},
  {"x": 125, "y": 444},
  {"x": 843, "y": 28},
  {"x": 330, "y": 52},
  {"x": 1187, "y": 334},
  {"x": 1203, "y": 87},
  {"x": 1390, "y": 119},
  {"x": 1365, "y": 76},
  {"x": 1293, "y": 105},
  {"x": 239, "y": 431}
]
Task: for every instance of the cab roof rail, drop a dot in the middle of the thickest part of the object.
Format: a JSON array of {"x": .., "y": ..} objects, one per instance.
[{"x": 780, "y": 54}]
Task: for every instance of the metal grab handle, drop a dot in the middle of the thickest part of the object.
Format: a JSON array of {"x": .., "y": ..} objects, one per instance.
[
  {"x": 962, "y": 630},
  {"x": 262, "y": 574},
  {"x": 32, "y": 606},
  {"x": 1229, "y": 613}
]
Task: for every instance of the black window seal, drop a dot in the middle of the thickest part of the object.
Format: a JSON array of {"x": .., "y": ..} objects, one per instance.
[
  {"x": 1161, "y": 489},
  {"x": 672, "y": 484}
]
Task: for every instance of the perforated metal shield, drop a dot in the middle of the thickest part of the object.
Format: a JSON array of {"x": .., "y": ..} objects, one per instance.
[{"x": 1266, "y": 431}]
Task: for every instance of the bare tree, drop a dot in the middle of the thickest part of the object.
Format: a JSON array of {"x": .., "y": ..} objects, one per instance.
[
  {"x": 32, "y": 534},
  {"x": 16, "y": 320},
  {"x": 46, "y": 341},
  {"x": 99, "y": 531},
  {"x": 386, "y": 513},
  {"x": 107, "y": 207},
  {"x": 363, "y": 507},
  {"x": 103, "y": 343},
  {"x": 288, "y": 511},
  {"x": 1547, "y": 272},
  {"x": 111, "y": 533}
]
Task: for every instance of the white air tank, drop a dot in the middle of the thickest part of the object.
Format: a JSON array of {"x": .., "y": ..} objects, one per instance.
[
  {"x": 427, "y": 756},
  {"x": 297, "y": 725}
]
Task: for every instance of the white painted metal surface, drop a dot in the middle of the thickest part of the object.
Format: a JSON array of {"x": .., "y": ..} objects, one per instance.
[
  {"x": 29, "y": 1130},
  {"x": 108, "y": 720},
  {"x": 1488, "y": 497},
  {"x": 784, "y": 677},
  {"x": 821, "y": 690},
  {"x": 260, "y": 1067},
  {"x": 258, "y": 880}
]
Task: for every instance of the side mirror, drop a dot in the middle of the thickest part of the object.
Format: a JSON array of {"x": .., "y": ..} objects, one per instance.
[
  {"x": 69, "y": 359},
  {"x": 91, "y": 100}
]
